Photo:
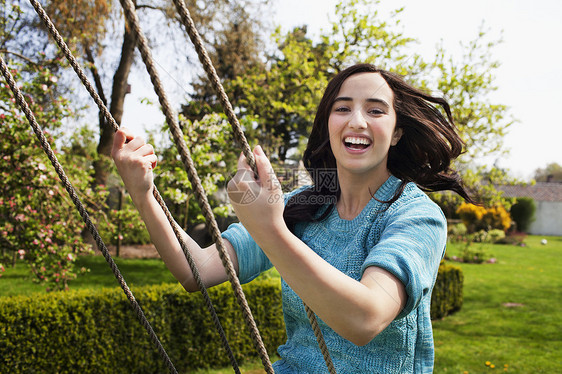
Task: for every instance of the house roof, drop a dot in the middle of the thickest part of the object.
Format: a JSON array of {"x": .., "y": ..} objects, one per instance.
[{"x": 541, "y": 191}]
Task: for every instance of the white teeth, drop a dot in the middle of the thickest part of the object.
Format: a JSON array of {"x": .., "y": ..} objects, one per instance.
[{"x": 357, "y": 140}]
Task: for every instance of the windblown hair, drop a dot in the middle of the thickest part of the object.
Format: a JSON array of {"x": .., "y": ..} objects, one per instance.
[{"x": 423, "y": 155}]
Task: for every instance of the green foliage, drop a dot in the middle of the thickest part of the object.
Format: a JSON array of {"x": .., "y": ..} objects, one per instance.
[
  {"x": 125, "y": 225},
  {"x": 473, "y": 251},
  {"x": 448, "y": 290},
  {"x": 468, "y": 84},
  {"x": 38, "y": 222},
  {"x": 282, "y": 94},
  {"x": 523, "y": 213},
  {"x": 457, "y": 232},
  {"x": 98, "y": 332},
  {"x": 214, "y": 154},
  {"x": 551, "y": 173}
]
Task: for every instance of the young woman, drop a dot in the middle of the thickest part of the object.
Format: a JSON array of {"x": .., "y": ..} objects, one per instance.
[{"x": 361, "y": 246}]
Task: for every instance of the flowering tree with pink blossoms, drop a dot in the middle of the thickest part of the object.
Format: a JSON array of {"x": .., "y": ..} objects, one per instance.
[{"x": 38, "y": 222}]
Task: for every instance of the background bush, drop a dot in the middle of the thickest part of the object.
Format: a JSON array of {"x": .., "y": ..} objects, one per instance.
[
  {"x": 98, "y": 332},
  {"x": 523, "y": 213},
  {"x": 478, "y": 218},
  {"x": 447, "y": 292}
]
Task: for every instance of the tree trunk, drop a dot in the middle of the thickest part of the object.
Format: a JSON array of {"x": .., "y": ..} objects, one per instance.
[{"x": 101, "y": 166}]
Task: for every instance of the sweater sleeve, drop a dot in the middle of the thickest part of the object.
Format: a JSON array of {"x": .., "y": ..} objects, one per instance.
[
  {"x": 411, "y": 246},
  {"x": 251, "y": 259}
]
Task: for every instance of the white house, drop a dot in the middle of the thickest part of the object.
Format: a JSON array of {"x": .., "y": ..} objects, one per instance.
[{"x": 548, "y": 197}]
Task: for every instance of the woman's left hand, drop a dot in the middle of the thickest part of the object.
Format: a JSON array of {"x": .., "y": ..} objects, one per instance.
[{"x": 257, "y": 201}]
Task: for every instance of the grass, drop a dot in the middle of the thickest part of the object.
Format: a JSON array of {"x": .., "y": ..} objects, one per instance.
[
  {"x": 512, "y": 311},
  {"x": 137, "y": 272}
]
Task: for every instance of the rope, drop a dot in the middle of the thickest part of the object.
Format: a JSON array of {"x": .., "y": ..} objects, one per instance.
[
  {"x": 79, "y": 71},
  {"x": 239, "y": 136},
  {"x": 83, "y": 213},
  {"x": 199, "y": 192}
]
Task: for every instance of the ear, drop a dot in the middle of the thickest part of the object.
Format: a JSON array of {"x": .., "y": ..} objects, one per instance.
[{"x": 396, "y": 136}]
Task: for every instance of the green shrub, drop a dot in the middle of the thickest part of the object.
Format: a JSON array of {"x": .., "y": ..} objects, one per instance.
[
  {"x": 447, "y": 292},
  {"x": 495, "y": 235},
  {"x": 98, "y": 332},
  {"x": 492, "y": 236},
  {"x": 523, "y": 213},
  {"x": 457, "y": 232}
]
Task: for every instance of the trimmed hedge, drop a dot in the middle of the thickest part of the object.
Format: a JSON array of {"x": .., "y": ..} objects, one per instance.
[
  {"x": 98, "y": 332},
  {"x": 447, "y": 292}
]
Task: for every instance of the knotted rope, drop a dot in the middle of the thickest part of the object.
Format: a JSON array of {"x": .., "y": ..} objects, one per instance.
[
  {"x": 83, "y": 213},
  {"x": 171, "y": 119},
  {"x": 79, "y": 71},
  {"x": 191, "y": 30}
]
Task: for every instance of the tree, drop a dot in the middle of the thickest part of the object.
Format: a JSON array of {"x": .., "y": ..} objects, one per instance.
[
  {"x": 38, "y": 222},
  {"x": 234, "y": 50},
  {"x": 95, "y": 44},
  {"x": 467, "y": 84},
  {"x": 214, "y": 153},
  {"x": 551, "y": 173},
  {"x": 283, "y": 93}
]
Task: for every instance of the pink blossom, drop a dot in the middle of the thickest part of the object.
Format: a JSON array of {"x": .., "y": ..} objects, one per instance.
[
  {"x": 21, "y": 252},
  {"x": 51, "y": 192},
  {"x": 70, "y": 257}
]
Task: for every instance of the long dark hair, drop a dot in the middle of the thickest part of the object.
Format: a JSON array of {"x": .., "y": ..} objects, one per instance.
[{"x": 423, "y": 155}]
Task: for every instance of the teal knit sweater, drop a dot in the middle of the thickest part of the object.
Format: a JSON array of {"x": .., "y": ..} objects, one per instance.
[{"x": 407, "y": 239}]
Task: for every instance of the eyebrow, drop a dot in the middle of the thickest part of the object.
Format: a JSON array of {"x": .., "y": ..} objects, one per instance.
[{"x": 369, "y": 100}]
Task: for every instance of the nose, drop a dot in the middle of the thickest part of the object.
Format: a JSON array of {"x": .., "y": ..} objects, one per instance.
[{"x": 357, "y": 120}]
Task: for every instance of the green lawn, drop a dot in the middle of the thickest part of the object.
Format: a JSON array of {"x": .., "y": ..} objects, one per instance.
[
  {"x": 137, "y": 272},
  {"x": 512, "y": 311}
]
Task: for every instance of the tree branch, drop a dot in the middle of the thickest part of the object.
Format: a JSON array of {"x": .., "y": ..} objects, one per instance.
[{"x": 19, "y": 55}]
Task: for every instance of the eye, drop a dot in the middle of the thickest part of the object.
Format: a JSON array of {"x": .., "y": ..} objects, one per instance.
[
  {"x": 376, "y": 111},
  {"x": 341, "y": 109}
]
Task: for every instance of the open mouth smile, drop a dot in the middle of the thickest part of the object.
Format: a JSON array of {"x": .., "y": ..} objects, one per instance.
[{"x": 356, "y": 143}]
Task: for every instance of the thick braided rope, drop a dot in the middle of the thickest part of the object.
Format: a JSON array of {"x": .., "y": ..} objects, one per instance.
[
  {"x": 79, "y": 71},
  {"x": 83, "y": 213},
  {"x": 171, "y": 119},
  {"x": 239, "y": 136}
]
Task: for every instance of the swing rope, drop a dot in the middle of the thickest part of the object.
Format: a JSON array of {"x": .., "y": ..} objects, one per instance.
[
  {"x": 188, "y": 163},
  {"x": 82, "y": 210},
  {"x": 171, "y": 119},
  {"x": 79, "y": 71},
  {"x": 207, "y": 64}
]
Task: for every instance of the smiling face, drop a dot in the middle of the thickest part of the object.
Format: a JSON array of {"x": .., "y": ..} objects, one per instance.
[{"x": 362, "y": 125}]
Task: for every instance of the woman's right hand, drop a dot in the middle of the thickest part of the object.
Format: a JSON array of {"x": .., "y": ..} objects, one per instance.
[{"x": 135, "y": 160}]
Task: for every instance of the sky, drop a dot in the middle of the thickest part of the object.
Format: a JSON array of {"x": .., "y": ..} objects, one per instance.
[{"x": 529, "y": 79}]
